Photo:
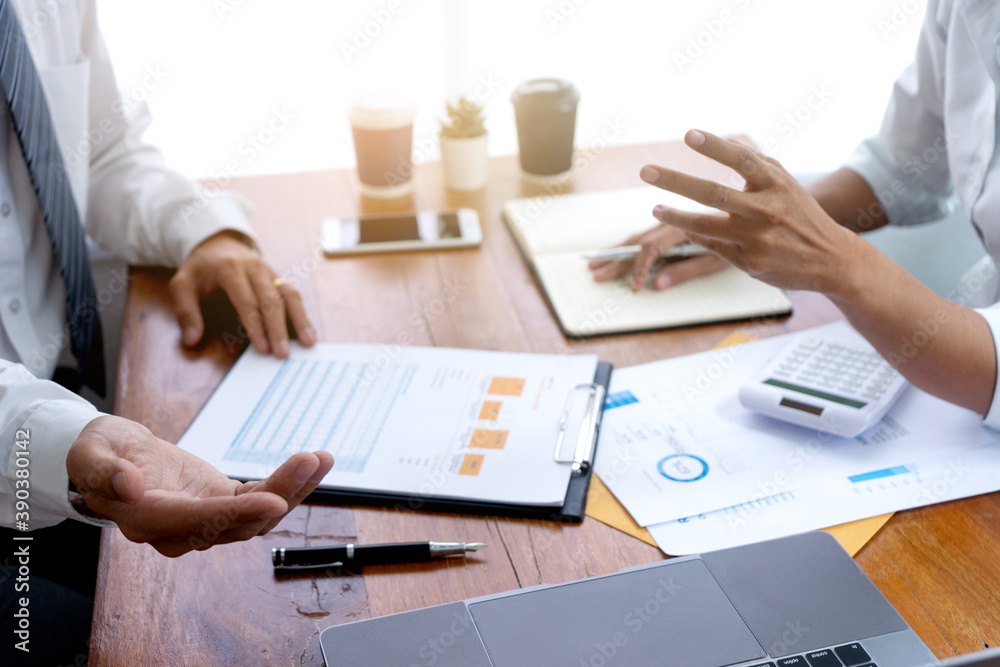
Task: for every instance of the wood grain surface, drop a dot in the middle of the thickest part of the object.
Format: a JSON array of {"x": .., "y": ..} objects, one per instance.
[{"x": 939, "y": 566}]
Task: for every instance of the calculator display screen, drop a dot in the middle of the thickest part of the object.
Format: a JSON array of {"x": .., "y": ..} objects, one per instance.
[
  {"x": 804, "y": 407},
  {"x": 849, "y": 402}
]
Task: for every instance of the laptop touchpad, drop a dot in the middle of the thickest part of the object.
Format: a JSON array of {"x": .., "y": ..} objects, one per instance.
[{"x": 675, "y": 616}]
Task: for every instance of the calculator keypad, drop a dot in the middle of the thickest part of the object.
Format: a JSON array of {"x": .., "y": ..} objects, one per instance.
[{"x": 836, "y": 368}]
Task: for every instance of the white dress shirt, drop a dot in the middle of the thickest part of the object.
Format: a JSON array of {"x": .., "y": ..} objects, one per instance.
[
  {"x": 938, "y": 141},
  {"x": 131, "y": 204}
]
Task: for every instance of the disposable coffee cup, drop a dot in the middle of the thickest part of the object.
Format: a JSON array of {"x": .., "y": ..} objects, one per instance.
[
  {"x": 382, "y": 126},
  {"x": 545, "y": 110}
]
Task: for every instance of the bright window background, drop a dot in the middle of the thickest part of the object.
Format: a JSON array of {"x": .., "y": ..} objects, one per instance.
[{"x": 226, "y": 68}]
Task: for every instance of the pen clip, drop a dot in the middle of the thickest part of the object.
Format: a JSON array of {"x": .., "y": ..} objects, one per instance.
[
  {"x": 278, "y": 555},
  {"x": 586, "y": 440}
]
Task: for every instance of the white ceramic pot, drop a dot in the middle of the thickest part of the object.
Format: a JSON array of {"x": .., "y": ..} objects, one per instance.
[{"x": 464, "y": 162}]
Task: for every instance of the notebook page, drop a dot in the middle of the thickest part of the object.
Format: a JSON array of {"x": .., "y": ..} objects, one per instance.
[
  {"x": 588, "y": 221},
  {"x": 585, "y": 307}
]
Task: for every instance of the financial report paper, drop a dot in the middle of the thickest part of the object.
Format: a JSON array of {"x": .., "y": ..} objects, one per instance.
[
  {"x": 676, "y": 443},
  {"x": 421, "y": 422}
]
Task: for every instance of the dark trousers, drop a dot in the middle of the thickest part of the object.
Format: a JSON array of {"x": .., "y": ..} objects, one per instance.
[{"x": 59, "y": 590}]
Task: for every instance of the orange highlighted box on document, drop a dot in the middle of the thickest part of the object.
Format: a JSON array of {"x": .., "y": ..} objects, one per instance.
[
  {"x": 506, "y": 386},
  {"x": 490, "y": 411},
  {"x": 484, "y": 438},
  {"x": 471, "y": 464}
]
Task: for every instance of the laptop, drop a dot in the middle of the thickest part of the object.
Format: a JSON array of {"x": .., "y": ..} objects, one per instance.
[{"x": 799, "y": 601}]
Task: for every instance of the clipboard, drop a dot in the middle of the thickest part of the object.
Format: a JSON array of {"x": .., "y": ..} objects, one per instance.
[
  {"x": 578, "y": 453},
  {"x": 426, "y": 428}
]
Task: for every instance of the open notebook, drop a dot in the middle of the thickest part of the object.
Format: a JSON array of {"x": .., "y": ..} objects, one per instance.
[{"x": 553, "y": 232}]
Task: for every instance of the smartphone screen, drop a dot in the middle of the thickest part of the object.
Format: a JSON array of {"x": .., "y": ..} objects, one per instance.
[
  {"x": 394, "y": 233},
  {"x": 419, "y": 227}
]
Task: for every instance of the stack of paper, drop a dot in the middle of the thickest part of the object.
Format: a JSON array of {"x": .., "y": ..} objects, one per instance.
[{"x": 702, "y": 472}]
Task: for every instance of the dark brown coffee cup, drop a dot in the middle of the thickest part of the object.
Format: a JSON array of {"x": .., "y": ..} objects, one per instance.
[{"x": 545, "y": 110}]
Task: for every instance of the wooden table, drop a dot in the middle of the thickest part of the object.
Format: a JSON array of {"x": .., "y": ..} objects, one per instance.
[{"x": 939, "y": 566}]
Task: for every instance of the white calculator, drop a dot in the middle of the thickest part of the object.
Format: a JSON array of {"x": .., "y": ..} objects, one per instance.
[{"x": 832, "y": 385}]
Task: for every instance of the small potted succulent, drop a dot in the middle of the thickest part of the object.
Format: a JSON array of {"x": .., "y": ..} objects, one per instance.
[{"x": 463, "y": 146}]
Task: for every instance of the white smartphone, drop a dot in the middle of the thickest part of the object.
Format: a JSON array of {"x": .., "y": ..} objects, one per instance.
[{"x": 401, "y": 232}]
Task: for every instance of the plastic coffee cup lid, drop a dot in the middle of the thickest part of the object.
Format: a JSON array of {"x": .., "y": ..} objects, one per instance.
[
  {"x": 546, "y": 94},
  {"x": 379, "y": 111}
]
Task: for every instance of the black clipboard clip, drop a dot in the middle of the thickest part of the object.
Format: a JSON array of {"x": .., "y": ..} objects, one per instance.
[{"x": 586, "y": 440}]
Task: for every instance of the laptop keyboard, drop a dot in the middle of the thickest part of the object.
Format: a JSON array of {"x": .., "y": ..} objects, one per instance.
[{"x": 848, "y": 655}]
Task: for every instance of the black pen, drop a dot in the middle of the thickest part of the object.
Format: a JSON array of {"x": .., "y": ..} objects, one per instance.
[{"x": 311, "y": 558}]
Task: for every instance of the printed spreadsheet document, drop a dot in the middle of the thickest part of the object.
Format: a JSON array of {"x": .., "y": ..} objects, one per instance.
[{"x": 427, "y": 422}]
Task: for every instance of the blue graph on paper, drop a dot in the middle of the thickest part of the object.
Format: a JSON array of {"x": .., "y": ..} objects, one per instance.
[
  {"x": 885, "y": 480},
  {"x": 880, "y": 474},
  {"x": 869, "y": 483},
  {"x": 618, "y": 400},
  {"x": 312, "y": 405}
]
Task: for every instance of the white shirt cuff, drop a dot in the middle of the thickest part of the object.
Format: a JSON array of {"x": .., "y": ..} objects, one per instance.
[
  {"x": 992, "y": 317},
  {"x": 902, "y": 198},
  {"x": 49, "y": 431},
  {"x": 215, "y": 211}
]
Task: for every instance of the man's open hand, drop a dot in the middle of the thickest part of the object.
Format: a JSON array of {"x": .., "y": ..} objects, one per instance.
[{"x": 161, "y": 494}]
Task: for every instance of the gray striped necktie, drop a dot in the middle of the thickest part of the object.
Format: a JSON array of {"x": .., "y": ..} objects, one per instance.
[{"x": 36, "y": 135}]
